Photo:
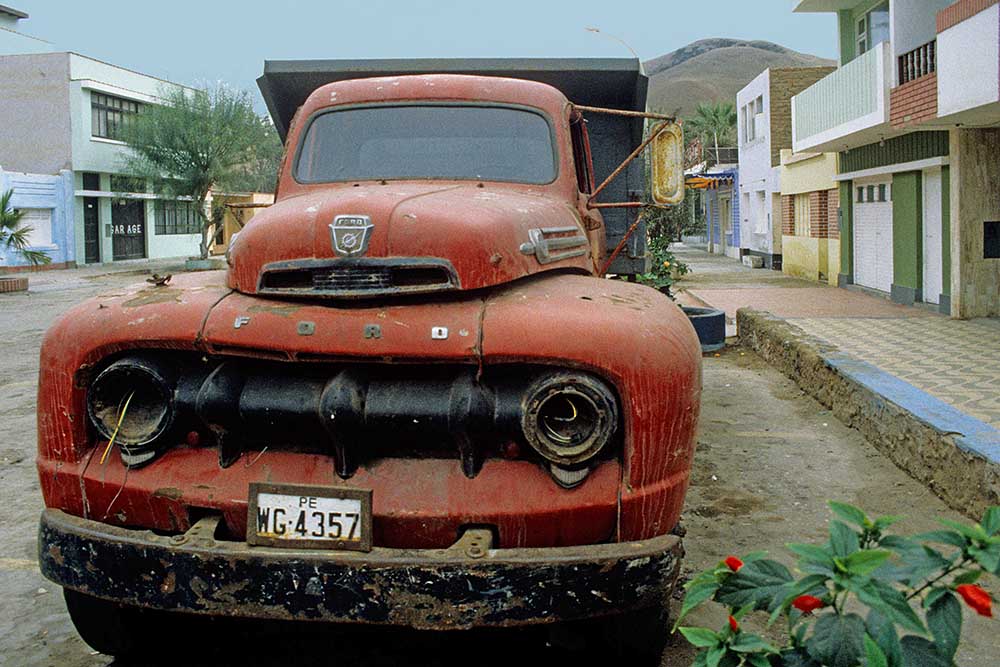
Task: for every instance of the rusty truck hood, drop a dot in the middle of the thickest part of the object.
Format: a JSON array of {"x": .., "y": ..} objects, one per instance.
[{"x": 480, "y": 230}]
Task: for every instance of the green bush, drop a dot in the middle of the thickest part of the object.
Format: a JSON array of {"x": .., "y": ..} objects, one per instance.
[{"x": 865, "y": 597}]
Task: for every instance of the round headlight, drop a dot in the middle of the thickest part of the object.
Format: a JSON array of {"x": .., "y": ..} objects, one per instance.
[
  {"x": 569, "y": 417},
  {"x": 132, "y": 400}
]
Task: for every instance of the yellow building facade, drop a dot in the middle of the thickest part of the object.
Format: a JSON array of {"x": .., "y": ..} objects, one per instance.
[{"x": 810, "y": 238}]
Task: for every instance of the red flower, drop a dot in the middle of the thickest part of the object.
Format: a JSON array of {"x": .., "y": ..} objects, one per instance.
[
  {"x": 807, "y": 603},
  {"x": 734, "y": 563},
  {"x": 976, "y": 598},
  {"x": 733, "y": 624}
]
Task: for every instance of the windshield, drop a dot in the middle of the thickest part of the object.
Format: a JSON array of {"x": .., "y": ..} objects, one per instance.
[{"x": 428, "y": 141}]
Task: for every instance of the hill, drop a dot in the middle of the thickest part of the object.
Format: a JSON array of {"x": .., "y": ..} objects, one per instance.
[{"x": 715, "y": 69}]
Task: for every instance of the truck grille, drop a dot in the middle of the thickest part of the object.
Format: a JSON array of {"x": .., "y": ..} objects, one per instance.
[{"x": 354, "y": 278}]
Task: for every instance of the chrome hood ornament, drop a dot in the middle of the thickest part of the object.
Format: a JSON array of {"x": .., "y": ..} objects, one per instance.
[{"x": 350, "y": 234}]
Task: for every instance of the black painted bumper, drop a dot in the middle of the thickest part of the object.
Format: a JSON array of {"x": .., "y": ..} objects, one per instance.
[{"x": 430, "y": 589}]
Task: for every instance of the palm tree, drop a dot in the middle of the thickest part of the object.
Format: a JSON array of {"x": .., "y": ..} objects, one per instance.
[
  {"x": 713, "y": 121},
  {"x": 13, "y": 236}
]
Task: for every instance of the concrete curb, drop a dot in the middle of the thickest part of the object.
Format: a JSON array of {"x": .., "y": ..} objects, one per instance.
[{"x": 953, "y": 454}]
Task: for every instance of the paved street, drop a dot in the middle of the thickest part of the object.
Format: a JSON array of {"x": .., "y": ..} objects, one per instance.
[
  {"x": 957, "y": 361},
  {"x": 768, "y": 459}
]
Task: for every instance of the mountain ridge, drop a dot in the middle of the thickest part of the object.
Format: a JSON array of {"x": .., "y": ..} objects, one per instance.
[{"x": 715, "y": 69}]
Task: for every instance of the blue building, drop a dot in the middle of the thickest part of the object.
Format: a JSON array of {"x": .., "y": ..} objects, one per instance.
[{"x": 47, "y": 203}]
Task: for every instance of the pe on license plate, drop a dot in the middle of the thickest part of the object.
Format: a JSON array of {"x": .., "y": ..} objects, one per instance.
[{"x": 323, "y": 517}]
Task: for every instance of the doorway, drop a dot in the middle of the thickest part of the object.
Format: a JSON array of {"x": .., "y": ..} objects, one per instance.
[
  {"x": 128, "y": 229},
  {"x": 932, "y": 264}
]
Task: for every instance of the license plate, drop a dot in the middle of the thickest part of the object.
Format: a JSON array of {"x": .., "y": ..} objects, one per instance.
[{"x": 323, "y": 517}]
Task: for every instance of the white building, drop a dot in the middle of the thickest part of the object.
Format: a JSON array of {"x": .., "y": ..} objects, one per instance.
[
  {"x": 764, "y": 115},
  {"x": 62, "y": 112}
]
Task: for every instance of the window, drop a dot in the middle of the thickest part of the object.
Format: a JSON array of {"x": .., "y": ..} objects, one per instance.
[
  {"x": 881, "y": 192},
  {"x": 871, "y": 193},
  {"x": 109, "y": 114},
  {"x": 802, "y": 213},
  {"x": 428, "y": 141},
  {"x": 861, "y": 195},
  {"x": 121, "y": 183},
  {"x": 872, "y": 28},
  {"x": 176, "y": 217},
  {"x": 752, "y": 119},
  {"x": 39, "y": 220}
]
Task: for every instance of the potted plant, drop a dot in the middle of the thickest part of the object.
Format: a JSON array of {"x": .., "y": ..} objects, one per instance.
[{"x": 14, "y": 238}]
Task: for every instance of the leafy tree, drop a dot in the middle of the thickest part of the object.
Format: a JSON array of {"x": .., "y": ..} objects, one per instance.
[
  {"x": 714, "y": 122},
  {"x": 200, "y": 141},
  {"x": 14, "y": 236}
]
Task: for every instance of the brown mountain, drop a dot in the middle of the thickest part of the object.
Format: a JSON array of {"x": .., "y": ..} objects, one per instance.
[{"x": 715, "y": 69}]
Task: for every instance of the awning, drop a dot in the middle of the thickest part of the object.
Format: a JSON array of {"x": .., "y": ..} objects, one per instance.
[{"x": 707, "y": 182}]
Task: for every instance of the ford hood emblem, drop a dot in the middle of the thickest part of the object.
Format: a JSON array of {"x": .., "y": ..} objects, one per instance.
[{"x": 350, "y": 234}]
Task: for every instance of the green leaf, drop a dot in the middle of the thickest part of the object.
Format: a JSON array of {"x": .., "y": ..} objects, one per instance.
[
  {"x": 989, "y": 557},
  {"x": 797, "y": 658},
  {"x": 883, "y": 631},
  {"x": 975, "y": 532},
  {"x": 843, "y": 539},
  {"x": 756, "y": 583},
  {"x": 865, "y": 562},
  {"x": 750, "y": 643},
  {"x": 884, "y": 522},
  {"x": 874, "y": 657},
  {"x": 700, "y": 637},
  {"x": 695, "y": 596},
  {"x": 850, "y": 513},
  {"x": 919, "y": 652},
  {"x": 700, "y": 659},
  {"x": 934, "y": 596},
  {"x": 814, "y": 584},
  {"x": 967, "y": 577},
  {"x": 758, "y": 660},
  {"x": 943, "y": 536},
  {"x": 944, "y": 619},
  {"x": 889, "y": 601},
  {"x": 991, "y": 520},
  {"x": 812, "y": 554},
  {"x": 714, "y": 656},
  {"x": 837, "y": 641}
]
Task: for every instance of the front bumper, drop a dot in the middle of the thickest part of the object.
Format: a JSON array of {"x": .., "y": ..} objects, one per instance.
[{"x": 427, "y": 589}]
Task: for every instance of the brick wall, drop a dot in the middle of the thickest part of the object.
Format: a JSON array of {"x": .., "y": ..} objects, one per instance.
[
  {"x": 818, "y": 216},
  {"x": 832, "y": 220},
  {"x": 788, "y": 215},
  {"x": 914, "y": 102},
  {"x": 786, "y": 83},
  {"x": 960, "y": 11}
]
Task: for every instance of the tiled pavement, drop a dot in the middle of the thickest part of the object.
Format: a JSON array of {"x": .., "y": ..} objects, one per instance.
[{"x": 957, "y": 361}]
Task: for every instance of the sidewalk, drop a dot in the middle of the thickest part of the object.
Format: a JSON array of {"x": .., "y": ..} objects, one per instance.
[
  {"x": 66, "y": 279},
  {"x": 956, "y": 361}
]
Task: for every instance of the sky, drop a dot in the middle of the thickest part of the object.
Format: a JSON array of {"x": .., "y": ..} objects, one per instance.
[{"x": 207, "y": 41}]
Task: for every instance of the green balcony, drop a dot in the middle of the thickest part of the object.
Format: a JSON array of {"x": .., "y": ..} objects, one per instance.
[{"x": 846, "y": 109}]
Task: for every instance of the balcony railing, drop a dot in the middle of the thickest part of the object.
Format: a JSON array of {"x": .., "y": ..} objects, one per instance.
[
  {"x": 919, "y": 62},
  {"x": 847, "y": 101}
]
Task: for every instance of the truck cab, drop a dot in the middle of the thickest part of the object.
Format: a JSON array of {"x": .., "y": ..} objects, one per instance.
[{"x": 413, "y": 398}]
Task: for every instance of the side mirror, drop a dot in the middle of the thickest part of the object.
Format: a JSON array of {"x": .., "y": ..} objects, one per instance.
[{"x": 667, "y": 156}]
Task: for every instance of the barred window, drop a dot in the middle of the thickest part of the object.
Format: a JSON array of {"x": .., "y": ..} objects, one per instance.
[
  {"x": 176, "y": 217},
  {"x": 109, "y": 114}
]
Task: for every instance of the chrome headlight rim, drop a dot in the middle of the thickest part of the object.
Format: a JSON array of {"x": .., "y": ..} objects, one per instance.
[{"x": 569, "y": 397}]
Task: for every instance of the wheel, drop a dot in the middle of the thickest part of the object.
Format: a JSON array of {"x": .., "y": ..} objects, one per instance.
[{"x": 110, "y": 628}]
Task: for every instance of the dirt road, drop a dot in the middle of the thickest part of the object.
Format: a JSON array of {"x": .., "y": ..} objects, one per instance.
[{"x": 768, "y": 459}]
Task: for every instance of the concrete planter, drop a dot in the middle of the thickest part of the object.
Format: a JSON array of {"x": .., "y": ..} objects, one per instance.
[
  {"x": 13, "y": 285},
  {"x": 210, "y": 264},
  {"x": 710, "y": 325}
]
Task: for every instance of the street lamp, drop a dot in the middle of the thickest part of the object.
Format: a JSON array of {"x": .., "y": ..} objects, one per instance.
[{"x": 621, "y": 41}]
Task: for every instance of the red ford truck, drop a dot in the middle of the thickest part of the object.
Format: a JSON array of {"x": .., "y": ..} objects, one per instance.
[{"x": 413, "y": 398}]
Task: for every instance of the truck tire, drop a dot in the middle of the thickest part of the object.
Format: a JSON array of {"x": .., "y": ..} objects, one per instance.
[{"x": 110, "y": 628}]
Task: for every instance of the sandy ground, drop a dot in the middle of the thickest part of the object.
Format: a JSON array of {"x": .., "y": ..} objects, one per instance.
[{"x": 768, "y": 459}]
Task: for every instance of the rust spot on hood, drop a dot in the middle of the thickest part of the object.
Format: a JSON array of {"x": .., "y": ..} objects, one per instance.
[
  {"x": 168, "y": 492},
  {"x": 148, "y": 297}
]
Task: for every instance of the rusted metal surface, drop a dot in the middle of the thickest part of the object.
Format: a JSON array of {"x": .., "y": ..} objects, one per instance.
[
  {"x": 452, "y": 588},
  {"x": 626, "y": 112}
]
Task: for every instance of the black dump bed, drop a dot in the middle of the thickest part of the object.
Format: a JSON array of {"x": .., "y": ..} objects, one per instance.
[{"x": 616, "y": 83}]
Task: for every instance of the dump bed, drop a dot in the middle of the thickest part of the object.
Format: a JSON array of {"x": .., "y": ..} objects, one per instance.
[{"x": 603, "y": 82}]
